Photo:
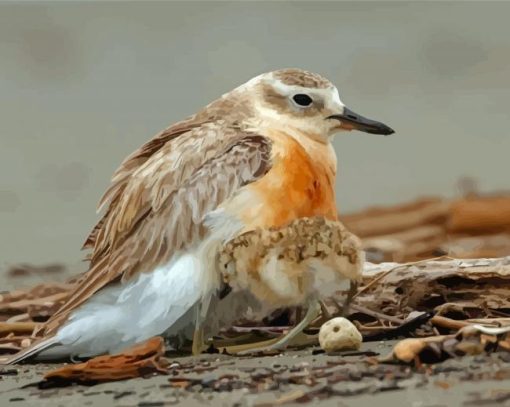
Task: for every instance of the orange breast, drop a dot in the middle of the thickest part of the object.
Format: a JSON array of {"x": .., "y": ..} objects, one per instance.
[{"x": 299, "y": 184}]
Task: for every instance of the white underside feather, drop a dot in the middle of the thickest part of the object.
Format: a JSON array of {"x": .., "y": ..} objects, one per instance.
[
  {"x": 122, "y": 315},
  {"x": 155, "y": 303}
]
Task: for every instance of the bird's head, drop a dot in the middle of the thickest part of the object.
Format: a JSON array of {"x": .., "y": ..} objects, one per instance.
[{"x": 307, "y": 102}]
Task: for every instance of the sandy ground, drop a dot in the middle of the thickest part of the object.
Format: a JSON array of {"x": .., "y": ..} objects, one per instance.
[{"x": 295, "y": 377}]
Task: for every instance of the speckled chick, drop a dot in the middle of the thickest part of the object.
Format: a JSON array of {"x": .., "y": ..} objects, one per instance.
[{"x": 308, "y": 259}]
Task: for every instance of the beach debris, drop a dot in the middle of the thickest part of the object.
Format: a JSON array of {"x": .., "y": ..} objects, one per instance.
[
  {"x": 141, "y": 360},
  {"x": 23, "y": 270},
  {"x": 461, "y": 289},
  {"x": 339, "y": 334},
  {"x": 471, "y": 339},
  {"x": 36, "y": 304},
  {"x": 443, "y": 307},
  {"x": 470, "y": 227}
]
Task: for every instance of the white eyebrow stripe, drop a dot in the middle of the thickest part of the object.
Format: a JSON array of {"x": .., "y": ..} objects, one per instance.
[
  {"x": 329, "y": 95},
  {"x": 290, "y": 89}
]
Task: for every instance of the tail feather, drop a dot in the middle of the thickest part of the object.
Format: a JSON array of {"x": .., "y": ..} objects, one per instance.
[{"x": 31, "y": 351}]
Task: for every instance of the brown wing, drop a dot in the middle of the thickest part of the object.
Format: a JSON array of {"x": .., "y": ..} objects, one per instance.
[
  {"x": 159, "y": 208},
  {"x": 121, "y": 179}
]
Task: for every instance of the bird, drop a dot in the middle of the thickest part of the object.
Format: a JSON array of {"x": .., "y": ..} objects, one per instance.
[
  {"x": 300, "y": 263},
  {"x": 260, "y": 156}
]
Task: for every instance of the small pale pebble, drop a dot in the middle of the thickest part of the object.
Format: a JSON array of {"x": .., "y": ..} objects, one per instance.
[
  {"x": 25, "y": 343},
  {"x": 339, "y": 334}
]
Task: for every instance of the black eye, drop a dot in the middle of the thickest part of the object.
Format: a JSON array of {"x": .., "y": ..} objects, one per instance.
[{"x": 302, "y": 100}]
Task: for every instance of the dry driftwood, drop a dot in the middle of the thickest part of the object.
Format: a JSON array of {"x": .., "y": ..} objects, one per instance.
[
  {"x": 473, "y": 227},
  {"x": 472, "y": 288},
  {"x": 480, "y": 215},
  {"x": 384, "y": 210},
  {"x": 398, "y": 220},
  {"x": 484, "y": 246},
  {"x": 402, "y": 238},
  {"x": 38, "y": 303},
  {"x": 21, "y": 270}
]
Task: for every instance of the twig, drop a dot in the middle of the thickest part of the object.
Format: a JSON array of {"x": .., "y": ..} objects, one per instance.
[
  {"x": 448, "y": 323},
  {"x": 455, "y": 324},
  {"x": 501, "y": 314},
  {"x": 9, "y": 347},
  {"x": 268, "y": 329},
  {"x": 377, "y": 315},
  {"x": 19, "y": 318},
  {"x": 17, "y": 327},
  {"x": 373, "y": 328},
  {"x": 22, "y": 304},
  {"x": 490, "y": 321},
  {"x": 403, "y": 330}
]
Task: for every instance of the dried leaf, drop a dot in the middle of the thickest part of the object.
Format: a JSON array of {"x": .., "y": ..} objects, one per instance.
[{"x": 140, "y": 360}]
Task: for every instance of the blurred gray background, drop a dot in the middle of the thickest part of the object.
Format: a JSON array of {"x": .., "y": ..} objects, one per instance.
[{"x": 84, "y": 84}]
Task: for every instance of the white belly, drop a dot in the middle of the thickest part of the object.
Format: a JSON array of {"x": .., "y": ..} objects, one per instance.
[{"x": 122, "y": 315}]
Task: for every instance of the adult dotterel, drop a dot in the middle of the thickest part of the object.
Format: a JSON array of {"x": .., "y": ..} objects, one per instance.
[{"x": 258, "y": 157}]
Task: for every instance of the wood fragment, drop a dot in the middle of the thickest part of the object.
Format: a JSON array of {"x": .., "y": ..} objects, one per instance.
[
  {"x": 463, "y": 228},
  {"x": 140, "y": 360},
  {"x": 17, "y": 327},
  {"x": 448, "y": 323},
  {"x": 26, "y": 303},
  {"x": 490, "y": 321},
  {"x": 434, "y": 212},
  {"x": 38, "y": 291},
  {"x": 19, "y": 318},
  {"x": 377, "y": 315},
  {"x": 394, "y": 288},
  {"x": 480, "y": 215},
  {"x": 469, "y": 340},
  {"x": 407, "y": 349},
  {"x": 472, "y": 247},
  {"x": 392, "y": 209}
]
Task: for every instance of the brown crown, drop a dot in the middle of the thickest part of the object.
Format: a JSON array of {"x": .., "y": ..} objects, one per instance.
[{"x": 298, "y": 77}]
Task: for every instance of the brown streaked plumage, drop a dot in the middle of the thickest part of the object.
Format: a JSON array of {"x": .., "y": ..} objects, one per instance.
[
  {"x": 305, "y": 79},
  {"x": 299, "y": 248},
  {"x": 258, "y": 157}
]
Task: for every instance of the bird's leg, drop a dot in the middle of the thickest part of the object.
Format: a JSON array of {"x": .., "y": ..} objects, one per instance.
[
  {"x": 282, "y": 342},
  {"x": 353, "y": 289},
  {"x": 311, "y": 313},
  {"x": 198, "y": 335},
  {"x": 198, "y": 341},
  {"x": 324, "y": 311}
]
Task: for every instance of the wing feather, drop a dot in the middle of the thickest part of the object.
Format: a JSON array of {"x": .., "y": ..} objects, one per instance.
[
  {"x": 122, "y": 176},
  {"x": 160, "y": 208}
]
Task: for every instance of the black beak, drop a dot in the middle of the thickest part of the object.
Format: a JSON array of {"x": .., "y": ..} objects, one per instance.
[{"x": 361, "y": 123}]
